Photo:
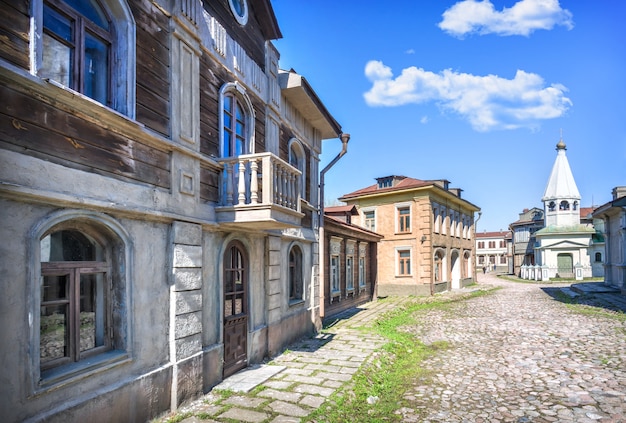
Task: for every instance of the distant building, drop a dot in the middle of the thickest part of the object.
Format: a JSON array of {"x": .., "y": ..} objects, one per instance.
[
  {"x": 523, "y": 238},
  {"x": 613, "y": 215},
  {"x": 428, "y": 231},
  {"x": 492, "y": 251}
]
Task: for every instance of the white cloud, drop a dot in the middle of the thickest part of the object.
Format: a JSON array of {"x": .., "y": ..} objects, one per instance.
[
  {"x": 410, "y": 51},
  {"x": 524, "y": 17},
  {"x": 486, "y": 102},
  {"x": 424, "y": 120}
]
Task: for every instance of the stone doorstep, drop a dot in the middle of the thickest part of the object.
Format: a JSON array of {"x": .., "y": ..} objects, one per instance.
[{"x": 249, "y": 378}]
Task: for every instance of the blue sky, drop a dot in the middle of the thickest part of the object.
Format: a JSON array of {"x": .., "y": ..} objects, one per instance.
[{"x": 476, "y": 92}]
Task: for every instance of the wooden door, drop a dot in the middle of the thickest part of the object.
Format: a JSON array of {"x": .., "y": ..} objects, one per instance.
[{"x": 235, "y": 309}]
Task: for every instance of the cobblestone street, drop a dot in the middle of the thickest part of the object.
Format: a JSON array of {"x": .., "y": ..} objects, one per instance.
[
  {"x": 515, "y": 355},
  {"x": 520, "y": 356}
]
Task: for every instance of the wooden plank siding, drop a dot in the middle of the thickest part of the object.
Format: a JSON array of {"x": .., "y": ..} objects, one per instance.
[
  {"x": 153, "y": 66},
  {"x": 212, "y": 77},
  {"x": 14, "y": 32},
  {"x": 250, "y": 37},
  {"x": 36, "y": 128}
]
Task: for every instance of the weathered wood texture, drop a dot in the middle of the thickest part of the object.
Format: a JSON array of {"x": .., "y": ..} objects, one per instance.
[
  {"x": 14, "y": 29},
  {"x": 209, "y": 185},
  {"x": 283, "y": 152},
  {"x": 250, "y": 37},
  {"x": 212, "y": 77},
  {"x": 33, "y": 127},
  {"x": 153, "y": 66}
]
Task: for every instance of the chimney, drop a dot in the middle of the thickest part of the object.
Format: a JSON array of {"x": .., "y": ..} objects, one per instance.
[{"x": 619, "y": 192}]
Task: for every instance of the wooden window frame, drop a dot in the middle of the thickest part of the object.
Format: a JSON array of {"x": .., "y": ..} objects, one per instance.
[
  {"x": 81, "y": 26},
  {"x": 404, "y": 219},
  {"x": 73, "y": 296},
  {"x": 404, "y": 263}
]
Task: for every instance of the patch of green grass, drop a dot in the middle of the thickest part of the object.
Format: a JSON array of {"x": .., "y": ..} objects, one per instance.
[
  {"x": 597, "y": 311},
  {"x": 376, "y": 390},
  {"x": 177, "y": 418}
]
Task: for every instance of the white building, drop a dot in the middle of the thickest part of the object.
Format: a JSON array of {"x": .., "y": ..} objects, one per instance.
[
  {"x": 492, "y": 250},
  {"x": 562, "y": 245}
]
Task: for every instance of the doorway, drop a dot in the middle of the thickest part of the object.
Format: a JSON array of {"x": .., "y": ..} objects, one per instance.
[{"x": 235, "y": 308}]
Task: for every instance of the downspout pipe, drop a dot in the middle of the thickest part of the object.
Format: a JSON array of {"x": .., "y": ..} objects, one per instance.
[
  {"x": 344, "y": 149},
  {"x": 476, "y": 272}
]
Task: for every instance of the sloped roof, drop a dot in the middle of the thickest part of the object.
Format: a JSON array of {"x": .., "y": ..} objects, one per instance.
[
  {"x": 561, "y": 183},
  {"x": 496, "y": 234},
  {"x": 341, "y": 209}
]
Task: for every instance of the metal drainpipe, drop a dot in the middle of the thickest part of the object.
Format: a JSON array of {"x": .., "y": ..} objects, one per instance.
[
  {"x": 344, "y": 149},
  {"x": 474, "y": 246}
]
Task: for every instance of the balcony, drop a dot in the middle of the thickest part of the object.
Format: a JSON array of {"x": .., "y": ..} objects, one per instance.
[{"x": 259, "y": 191}]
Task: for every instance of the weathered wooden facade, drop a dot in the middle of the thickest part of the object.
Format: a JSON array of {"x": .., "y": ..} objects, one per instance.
[
  {"x": 350, "y": 261},
  {"x": 159, "y": 203}
]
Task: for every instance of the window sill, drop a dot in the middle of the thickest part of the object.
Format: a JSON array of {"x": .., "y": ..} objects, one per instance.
[
  {"x": 296, "y": 302},
  {"x": 74, "y": 372}
]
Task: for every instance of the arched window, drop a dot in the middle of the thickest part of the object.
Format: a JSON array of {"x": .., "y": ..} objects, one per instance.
[
  {"x": 88, "y": 46},
  {"x": 237, "y": 121},
  {"x": 295, "y": 274},
  {"x": 552, "y": 206},
  {"x": 297, "y": 158},
  {"x": 598, "y": 257},
  {"x": 82, "y": 296},
  {"x": 564, "y": 205},
  {"x": 575, "y": 205}
]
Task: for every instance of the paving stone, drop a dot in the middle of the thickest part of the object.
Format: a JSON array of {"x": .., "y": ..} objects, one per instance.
[
  {"x": 288, "y": 409},
  {"x": 312, "y": 401},
  {"x": 286, "y": 419},
  {"x": 314, "y": 389},
  {"x": 244, "y": 401},
  {"x": 277, "y": 384},
  {"x": 281, "y": 395},
  {"x": 244, "y": 415}
]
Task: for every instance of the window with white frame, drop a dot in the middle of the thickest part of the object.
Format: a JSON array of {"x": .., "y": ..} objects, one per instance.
[
  {"x": 403, "y": 262},
  {"x": 443, "y": 221},
  {"x": 297, "y": 158},
  {"x": 334, "y": 274},
  {"x": 349, "y": 273},
  {"x": 369, "y": 220},
  {"x": 404, "y": 219},
  {"x": 362, "y": 280},
  {"x": 88, "y": 46}
]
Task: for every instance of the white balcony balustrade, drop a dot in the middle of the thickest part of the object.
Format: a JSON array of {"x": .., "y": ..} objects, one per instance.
[{"x": 259, "y": 189}]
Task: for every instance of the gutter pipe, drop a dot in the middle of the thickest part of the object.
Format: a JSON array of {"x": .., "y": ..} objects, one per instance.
[{"x": 344, "y": 149}]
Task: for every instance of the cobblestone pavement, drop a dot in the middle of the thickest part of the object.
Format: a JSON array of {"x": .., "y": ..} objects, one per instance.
[
  {"x": 520, "y": 356},
  {"x": 516, "y": 355}
]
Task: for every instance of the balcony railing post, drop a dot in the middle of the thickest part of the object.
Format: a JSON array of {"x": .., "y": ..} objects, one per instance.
[
  {"x": 229, "y": 184},
  {"x": 254, "y": 182},
  {"x": 241, "y": 198}
]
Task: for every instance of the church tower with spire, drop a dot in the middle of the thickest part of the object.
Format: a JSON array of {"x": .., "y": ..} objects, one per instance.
[
  {"x": 561, "y": 199},
  {"x": 563, "y": 244}
]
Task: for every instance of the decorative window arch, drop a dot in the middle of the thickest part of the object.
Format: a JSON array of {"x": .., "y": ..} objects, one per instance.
[
  {"x": 87, "y": 46},
  {"x": 296, "y": 275},
  {"x": 297, "y": 158},
  {"x": 81, "y": 294},
  {"x": 236, "y": 121}
]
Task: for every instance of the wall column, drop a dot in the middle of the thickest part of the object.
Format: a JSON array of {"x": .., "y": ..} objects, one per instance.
[{"x": 185, "y": 333}]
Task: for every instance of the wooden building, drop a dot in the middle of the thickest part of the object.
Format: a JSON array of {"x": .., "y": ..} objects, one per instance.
[
  {"x": 159, "y": 203},
  {"x": 350, "y": 261}
]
